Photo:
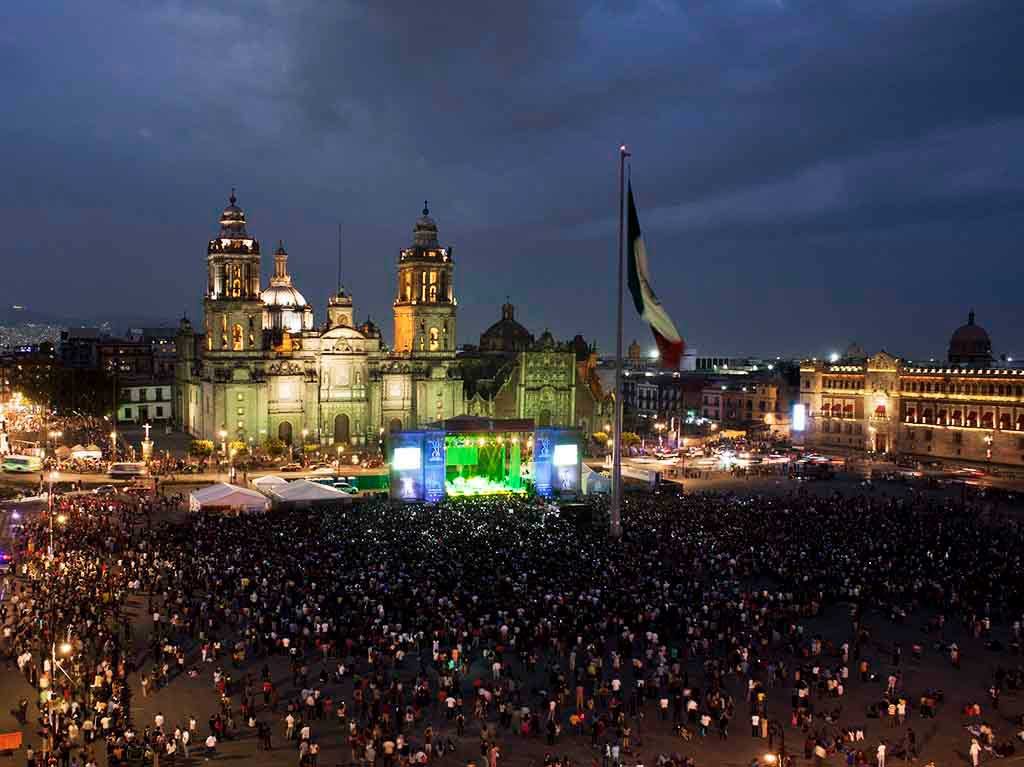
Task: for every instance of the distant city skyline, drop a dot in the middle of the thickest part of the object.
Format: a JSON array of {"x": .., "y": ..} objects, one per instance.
[{"x": 806, "y": 175}]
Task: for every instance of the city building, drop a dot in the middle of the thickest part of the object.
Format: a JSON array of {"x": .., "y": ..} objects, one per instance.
[
  {"x": 145, "y": 403},
  {"x": 967, "y": 409},
  {"x": 760, "y": 402},
  {"x": 260, "y": 367}
]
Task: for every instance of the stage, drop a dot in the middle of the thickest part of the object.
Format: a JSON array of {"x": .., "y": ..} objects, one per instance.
[{"x": 469, "y": 456}]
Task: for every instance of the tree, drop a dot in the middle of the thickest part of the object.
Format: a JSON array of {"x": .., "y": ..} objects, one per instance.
[
  {"x": 630, "y": 438},
  {"x": 600, "y": 437},
  {"x": 273, "y": 446},
  {"x": 201, "y": 448}
]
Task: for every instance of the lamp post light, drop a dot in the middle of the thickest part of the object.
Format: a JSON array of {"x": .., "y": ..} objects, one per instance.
[
  {"x": 65, "y": 650},
  {"x": 113, "y": 445},
  {"x": 989, "y": 439},
  {"x": 341, "y": 449},
  {"x": 53, "y": 476}
]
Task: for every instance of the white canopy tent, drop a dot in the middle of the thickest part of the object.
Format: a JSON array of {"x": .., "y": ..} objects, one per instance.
[
  {"x": 86, "y": 453},
  {"x": 302, "y": 492},
  {"x": 225, "y": 497},
  {"x": 595, "y": 482},
  {"x": 268, "y": 483}
]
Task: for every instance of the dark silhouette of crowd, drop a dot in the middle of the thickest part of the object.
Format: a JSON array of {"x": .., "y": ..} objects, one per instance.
[{"x": 391, "y": 633}]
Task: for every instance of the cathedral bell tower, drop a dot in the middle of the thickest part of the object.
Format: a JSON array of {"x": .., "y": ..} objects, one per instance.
[
  {"x": 232, "y": 306},
  {"x": 425, "y": 302}
]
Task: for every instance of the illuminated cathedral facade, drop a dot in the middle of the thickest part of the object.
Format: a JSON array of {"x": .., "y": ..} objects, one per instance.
[{"x": 260, "y": 367}]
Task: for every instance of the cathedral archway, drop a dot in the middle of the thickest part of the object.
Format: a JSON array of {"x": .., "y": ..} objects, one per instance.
[
  {"x": 284, "y": 432},
  {"x": 395, "y": 425},
  {"x": 341, "y": 429}
]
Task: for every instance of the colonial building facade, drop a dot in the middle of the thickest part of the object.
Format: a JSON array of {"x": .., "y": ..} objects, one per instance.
[
  {"x": 260, "y": 367},
  {"x": 964, "y": 410}
]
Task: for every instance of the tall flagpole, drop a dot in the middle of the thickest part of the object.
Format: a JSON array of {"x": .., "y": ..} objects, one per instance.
[{"x": 616, "y": 515}]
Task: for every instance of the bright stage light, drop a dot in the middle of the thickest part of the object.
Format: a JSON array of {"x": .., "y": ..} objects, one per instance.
[
  {"x": 565, "y": 455},
  {"x": 405, "y": 459},
  {"x": 799, "y": 417}
]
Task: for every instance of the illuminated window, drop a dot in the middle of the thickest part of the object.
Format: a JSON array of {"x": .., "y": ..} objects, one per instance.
[
  {"x": 236, "y": 288},
  {"x": 236, "y": 338},
  {"x": 435, "y": 339}
]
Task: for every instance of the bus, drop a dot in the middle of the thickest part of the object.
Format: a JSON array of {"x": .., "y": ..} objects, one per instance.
[
  {"x": 22, "y": 464},
  {"x": 127, "y": 470}
]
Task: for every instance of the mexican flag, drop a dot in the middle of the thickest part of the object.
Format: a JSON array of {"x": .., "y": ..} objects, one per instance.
[{"x": 670, "y": 343}]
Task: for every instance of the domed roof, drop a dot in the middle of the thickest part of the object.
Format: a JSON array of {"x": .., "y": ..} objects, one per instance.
[
  {"x": 506, "y": 335},
  {"x": 232, "y": 220},
  {"x": 425, "y": 232},
  {"x": 283, "y": 296},
  {"x": 369, "y": 329},
  {"x": 970, "y": 343}
]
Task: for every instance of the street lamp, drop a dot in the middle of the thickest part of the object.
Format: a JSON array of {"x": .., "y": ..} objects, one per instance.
[
  {"x": 660, "y": 428},
  {"x": 53, "y": 476},
  {"x": 113, "y": 445},
  {"x": 989, "y": 439},
  {"x": 341, "y": 449}
]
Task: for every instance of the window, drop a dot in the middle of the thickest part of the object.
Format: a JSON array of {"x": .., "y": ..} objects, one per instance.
[
  {"x": 435, "y": 339},
  {"x": 127, "y": 412},
  {"x": 240, "y": 411},
  {"x": 159, "y": 411},
  {"x": 236, "y": 338},
  {"x": 240, "y": 397},
  {"x": 928, "y": 435},
  {"x": 958, "y": 438},
  {"x": 159, "y": 393}
]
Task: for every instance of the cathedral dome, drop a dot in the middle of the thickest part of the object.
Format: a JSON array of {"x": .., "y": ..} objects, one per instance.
[
  {"x": 970, "y": 344},
  {"x": 282, "y": 295},
  {"x": 506, "y": 335}
]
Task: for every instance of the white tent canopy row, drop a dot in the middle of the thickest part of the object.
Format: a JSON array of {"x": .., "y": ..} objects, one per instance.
[
  {"x": 268, "y": 483},
  {"x": 83, "y": 453},
  {"x": 303, "y": 491},
  {"x": 223, "y": 496}
]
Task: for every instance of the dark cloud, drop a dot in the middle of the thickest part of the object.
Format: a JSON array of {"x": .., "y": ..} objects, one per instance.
[{"x": 807, "y": 172}]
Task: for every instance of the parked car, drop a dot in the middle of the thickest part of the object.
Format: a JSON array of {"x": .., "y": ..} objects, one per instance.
[
  {"x": 105, "y": 490},
  {"x": 292, "y": 467}
]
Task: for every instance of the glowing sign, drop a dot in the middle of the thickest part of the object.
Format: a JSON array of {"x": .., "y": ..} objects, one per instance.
[
  {"x": 566, "y": 455},
  {"x": 405, "y": 459},
  {"x": 799, "y": 417}
]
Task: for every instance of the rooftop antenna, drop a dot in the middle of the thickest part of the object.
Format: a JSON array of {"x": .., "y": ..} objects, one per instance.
[{"x": 339, "y": 258}]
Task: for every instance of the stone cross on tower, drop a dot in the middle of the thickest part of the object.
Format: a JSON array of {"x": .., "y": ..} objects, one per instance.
[{"x": 146, "y": 428}]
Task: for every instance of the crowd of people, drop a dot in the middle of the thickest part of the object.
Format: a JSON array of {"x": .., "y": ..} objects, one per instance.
[{"x": 390, "y": 635}]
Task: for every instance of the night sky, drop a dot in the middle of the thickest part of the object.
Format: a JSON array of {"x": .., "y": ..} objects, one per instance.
[{"x": 807, "y": 173}]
